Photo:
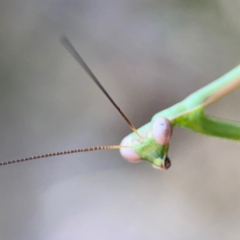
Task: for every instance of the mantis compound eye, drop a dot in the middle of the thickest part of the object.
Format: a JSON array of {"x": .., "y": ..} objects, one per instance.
[
  {"x": 128, "y": 153},
  {"x": 162, "y": 131}
]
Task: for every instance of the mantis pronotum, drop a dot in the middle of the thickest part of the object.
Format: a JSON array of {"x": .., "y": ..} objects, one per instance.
[{"x": 151, "y": 141}]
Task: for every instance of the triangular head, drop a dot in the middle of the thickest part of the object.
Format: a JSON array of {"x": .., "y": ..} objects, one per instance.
[{"x": 153, "y": 147}]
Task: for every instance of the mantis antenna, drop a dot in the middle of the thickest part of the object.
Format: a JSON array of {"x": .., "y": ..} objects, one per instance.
[
  {"x": 63, "y": 153},
  {"x": 66, "y": 43}
]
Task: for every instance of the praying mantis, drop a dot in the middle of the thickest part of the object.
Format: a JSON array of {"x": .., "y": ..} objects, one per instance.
[{"x": 151, "y": 142}]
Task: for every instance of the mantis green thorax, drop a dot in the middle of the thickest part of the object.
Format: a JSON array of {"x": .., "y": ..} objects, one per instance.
[{"x": 151, "y": 141}]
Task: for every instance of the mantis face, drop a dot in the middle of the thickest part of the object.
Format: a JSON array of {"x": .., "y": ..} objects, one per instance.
[{"x": 153, "y": 148}]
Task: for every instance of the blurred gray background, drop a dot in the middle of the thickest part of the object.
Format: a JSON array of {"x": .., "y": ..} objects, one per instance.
[{"x": 149, "y": 55}]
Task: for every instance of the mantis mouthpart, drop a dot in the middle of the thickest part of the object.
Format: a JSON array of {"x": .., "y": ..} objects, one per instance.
[{"x": 151, "y": 141}]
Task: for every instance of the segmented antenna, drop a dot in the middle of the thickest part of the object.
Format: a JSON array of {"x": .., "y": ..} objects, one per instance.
[
  {"x": 63, "y": 153},
  {"x": 67, "y": 44},
  {"x": 75, "y": 54}
]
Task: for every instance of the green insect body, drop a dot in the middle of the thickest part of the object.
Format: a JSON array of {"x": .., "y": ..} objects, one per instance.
[{"x": 189, "y": 113}]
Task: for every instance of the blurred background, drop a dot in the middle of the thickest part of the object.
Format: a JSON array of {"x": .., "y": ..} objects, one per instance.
[{"x": 149, "y": 55}]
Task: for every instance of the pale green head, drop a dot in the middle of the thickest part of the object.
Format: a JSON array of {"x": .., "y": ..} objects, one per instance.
[{"x": 153, "y": 148}]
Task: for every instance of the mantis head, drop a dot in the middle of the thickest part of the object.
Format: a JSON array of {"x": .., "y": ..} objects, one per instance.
[{"x": 153, "y": 148}]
